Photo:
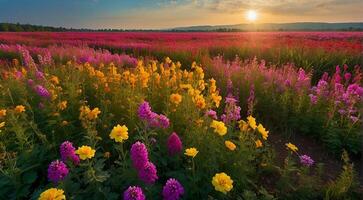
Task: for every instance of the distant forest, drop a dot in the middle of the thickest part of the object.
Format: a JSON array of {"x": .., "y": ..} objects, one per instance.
[
  {"x": 12, "y": 27},
  {"x": 17, "y": 27}
]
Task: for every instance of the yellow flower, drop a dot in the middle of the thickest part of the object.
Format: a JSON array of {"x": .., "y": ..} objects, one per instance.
[
  {"x": 62, "y": 105},
  {"x": 175, "y": 98},
  {"x": 219, "y": 127},
  {"x": 168, "y": 60},
  {"x": 212, "y": 87},
  {"x": 2, "y": 124},
  {"x": 251, "y": 122},
  {"x": 185, "y": 86},
  {"x": 52, "y": 194},
  {"x": 93, "y": 114},
  {"x": 19, "y": 108},
  {"x": 243, "y": 126},
  {"x": 199, "y": 122},
  {"x": 216, "y": 99},
  {"x": 222, "y": 182},
  {"x": 291, "y": 147},
  {"x": 87, "y": 112},
  {"x": 263, "y": 131},
  {"x": 54, "y": 80},
  {"x": 85, "y": 152},
  {"x": 258, "y": 143},
  {"x": 143, "y": 77},
  {"x": 199, "y": 101},
  {"x": 192, "y": 152},
  {"x": 2, "y": 113},
  {"x": 119, "y": 133},
  {"x": 230, "y": 145}
]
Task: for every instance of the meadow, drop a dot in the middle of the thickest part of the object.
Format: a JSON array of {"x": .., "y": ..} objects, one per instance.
[{"x": 173, "y": 116}]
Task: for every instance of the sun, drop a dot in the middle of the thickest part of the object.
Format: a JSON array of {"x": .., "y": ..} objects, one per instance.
[{"x": 251, "y": 15}]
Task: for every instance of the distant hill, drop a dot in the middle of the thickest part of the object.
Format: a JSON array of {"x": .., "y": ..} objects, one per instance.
[
  {"x": 298, "y": 26},
  {"x": 11, "y": 27}
]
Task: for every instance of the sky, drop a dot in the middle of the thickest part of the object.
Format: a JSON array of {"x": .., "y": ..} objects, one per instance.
[{"x": 156, "y": 14}]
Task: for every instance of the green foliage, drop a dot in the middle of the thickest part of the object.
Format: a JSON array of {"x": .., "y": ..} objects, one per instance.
[{"x": 345, "y": 185}]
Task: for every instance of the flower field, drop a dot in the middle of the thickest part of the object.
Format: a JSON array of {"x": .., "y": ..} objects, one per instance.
[{"x": 179, "y": 115}]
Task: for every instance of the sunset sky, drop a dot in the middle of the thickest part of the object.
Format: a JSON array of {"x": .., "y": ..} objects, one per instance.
[{"x": 145, "y": 14}]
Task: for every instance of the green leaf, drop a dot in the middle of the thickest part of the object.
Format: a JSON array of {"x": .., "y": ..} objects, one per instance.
[{"x": 29, "y": 177}]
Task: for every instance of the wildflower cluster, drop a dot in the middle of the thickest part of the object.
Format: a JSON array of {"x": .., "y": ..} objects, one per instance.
[{"x": 151, "y": 131}]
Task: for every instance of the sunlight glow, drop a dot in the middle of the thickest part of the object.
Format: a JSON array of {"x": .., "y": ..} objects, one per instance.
[{"x": 251, "y": 15}]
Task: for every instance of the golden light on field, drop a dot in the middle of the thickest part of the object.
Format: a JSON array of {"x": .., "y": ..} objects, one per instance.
[{"x": 251, "y": 15}]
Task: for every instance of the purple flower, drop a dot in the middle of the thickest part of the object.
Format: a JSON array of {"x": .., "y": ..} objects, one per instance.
[
  {"x": 57, "y": 171},
  {"x": 354, "y": 119},
  {"x": 306, "y": 160},
  {"x": 148, "y": 173},
  {"x": 355, "y": 89},
  {"x": 174, "y": 144},
  {"x": 212, "y": 114},
  {"x": 67, "y": 152},
  {"x": 153, "y": 120},
  {"x": 347, "y": 76},
  {"x": 39, "y": 75},
  {"x": 232, "y": 111},
  {"x": 42, "y": 91},
  {"x": 134, "y": 193},
  {"x": 30, "y": 82},
  {"x": 172, "y": 190},
  {"x": 139, "y": 155},
  {"x": 144, "y": 111},
  {"x": 163, "y": 121},
  {"x": 26, "y": 57},
  {"x": 231, "y": 100},
  {"x": 313, "y": 99},
  {"x": 342, "y": 111},
  {"x": 18, "y": 74},
  {"x": 322, "y": 88}
]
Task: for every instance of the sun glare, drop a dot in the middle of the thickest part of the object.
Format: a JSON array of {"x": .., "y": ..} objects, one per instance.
[{"x": 251, "y": 15}]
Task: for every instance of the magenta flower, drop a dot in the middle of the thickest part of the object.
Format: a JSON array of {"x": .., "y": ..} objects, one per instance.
[
  {"x": 18, "y": 74},
  {"x": 151, "y": 118},
  {"x": 231, "y": 111},
  {"x": 212, "y": 114},
  {"x": 30, "y": 82},
  {"x": 306, "y": 160},
  {"x": 172, "y": 190},
  {"x": 313, "y": 99},
  {"x": 42, "y": 91},
  {"x": 134, "y": 193},
  {"x": 144, "y": 111},
  {"x": 57, "y": 171},
  {"x": 148, "y": 174},
  {"x": 139, "y": 155},
  {"x": 347, "y": 76},
  {"x": 39, "y": 75},
  {"x": 174, "y": 144},
  {"x": 67, "y": 152},
  {"x": 163, "y": 121}
]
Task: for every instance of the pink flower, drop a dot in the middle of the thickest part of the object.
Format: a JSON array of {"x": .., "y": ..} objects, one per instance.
[{"x": 174, "y": 144}]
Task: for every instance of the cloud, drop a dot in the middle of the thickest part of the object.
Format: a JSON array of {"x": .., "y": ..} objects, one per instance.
[
  {"x": 174, "y": 13},
  {"x": 287, "y": 7}
]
